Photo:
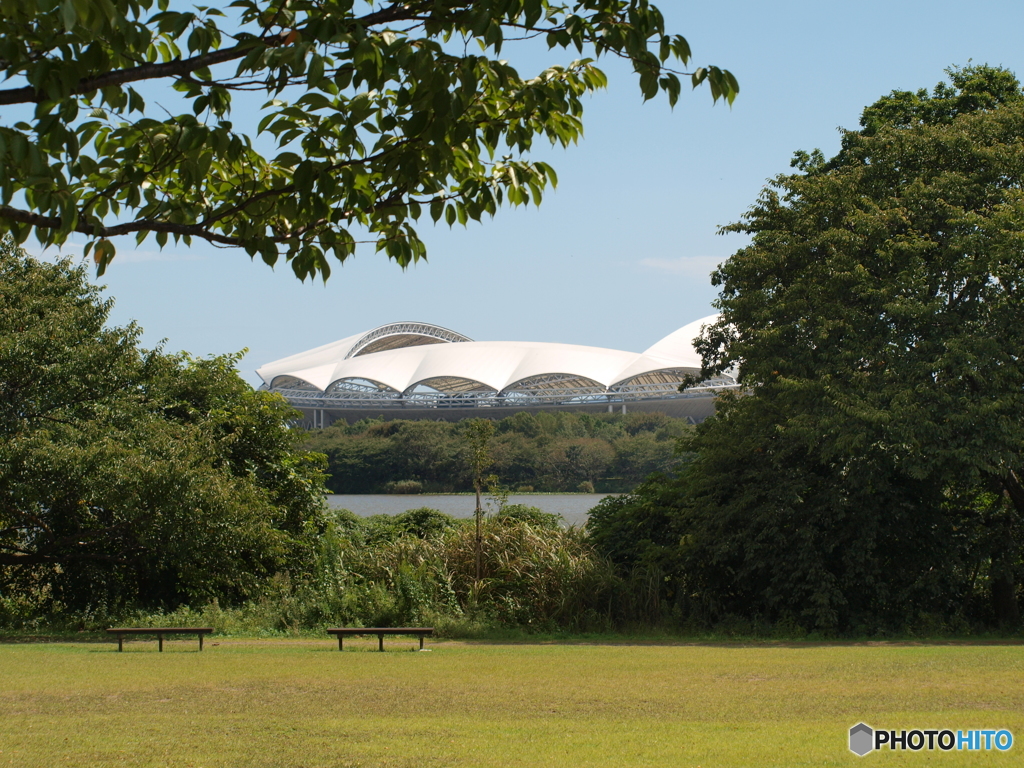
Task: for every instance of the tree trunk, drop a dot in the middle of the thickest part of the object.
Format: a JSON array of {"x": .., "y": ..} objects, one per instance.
[
  {"x": 1004, "y": 581},
  {"x": 479, "y": 537},
  {"x": 1004, "y": 598}
]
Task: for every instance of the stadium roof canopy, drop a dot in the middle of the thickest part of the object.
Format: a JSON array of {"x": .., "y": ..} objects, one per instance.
[{"x": 435, "y": 367}]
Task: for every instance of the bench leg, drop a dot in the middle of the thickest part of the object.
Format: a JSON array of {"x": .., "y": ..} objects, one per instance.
[
  {"x": 160, "y": 642},
  {"x": 421, "y": 642},
  {"x": 341, "y": 647},
  {"x": 120, "y": 645},
  {"x": 200, "y": 641},
  {"x": 380, "y": 643}
]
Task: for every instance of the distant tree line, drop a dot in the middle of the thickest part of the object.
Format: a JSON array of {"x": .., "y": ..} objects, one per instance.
[{"x": 559, "y": 451}]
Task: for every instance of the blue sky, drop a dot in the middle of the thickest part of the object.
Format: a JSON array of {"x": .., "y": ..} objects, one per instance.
[{"x": 619, "y": 255}]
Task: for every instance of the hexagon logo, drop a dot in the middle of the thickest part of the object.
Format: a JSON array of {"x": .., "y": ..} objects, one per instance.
[{"x": 862, "y": 739}]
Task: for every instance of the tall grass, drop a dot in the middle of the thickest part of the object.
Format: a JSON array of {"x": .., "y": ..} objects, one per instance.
[
  {"x": 419, "y": 568},
  {"x": 534, "y": 576}
]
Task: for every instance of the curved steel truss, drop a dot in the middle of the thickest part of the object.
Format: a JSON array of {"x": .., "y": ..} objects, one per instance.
[
  {"x": 360, "y": 387},
  {"x": 397, "y": 335},
  {"x": 366, "y": 394},
  {"x": 281, "y": 383}
]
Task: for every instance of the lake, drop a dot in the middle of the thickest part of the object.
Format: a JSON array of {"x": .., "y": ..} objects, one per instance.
[{"x": 573, "y": 507}]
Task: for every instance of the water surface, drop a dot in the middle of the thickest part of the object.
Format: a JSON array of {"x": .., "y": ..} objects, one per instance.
[{"x": 573, "y": 507}]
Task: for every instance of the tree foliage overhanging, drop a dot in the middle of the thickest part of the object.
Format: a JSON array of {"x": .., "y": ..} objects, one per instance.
[
  {"x": 130, "y": 477},
  {"x": 870, "y": 474},
  {"x": 379, "y": 112}
]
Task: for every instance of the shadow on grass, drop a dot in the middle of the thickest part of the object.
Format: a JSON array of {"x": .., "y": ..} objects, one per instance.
[
  {"x": 323, "y": 644},
  {"x": 758, "y": 643},
  {"x": 57, "y": 637}
]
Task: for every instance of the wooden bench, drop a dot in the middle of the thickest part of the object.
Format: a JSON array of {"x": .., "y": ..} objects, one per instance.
[
  {"x": 159, "y": 632},
  {"x": 342, "y": 632}
]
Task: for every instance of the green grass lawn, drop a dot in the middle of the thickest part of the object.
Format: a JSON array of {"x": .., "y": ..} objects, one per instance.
[{"x": 302, "y": 704}]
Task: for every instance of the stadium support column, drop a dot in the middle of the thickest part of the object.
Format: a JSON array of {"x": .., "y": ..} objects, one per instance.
[{"x": 623, "y": 408}]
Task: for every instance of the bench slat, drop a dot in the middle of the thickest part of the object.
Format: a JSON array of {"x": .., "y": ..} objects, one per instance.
[
  {"x": 159, "y": 632},
  {"x": 379, "y": 630},
  {"x": 342, "y": 632}
]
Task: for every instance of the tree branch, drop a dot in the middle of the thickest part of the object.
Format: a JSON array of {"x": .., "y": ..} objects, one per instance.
[
  {"x": 54, "y": 222},
  {"x": 1014, "y": 490},
  {"x": 177, "y": 68},
  {"x": 183, "y": 67}
]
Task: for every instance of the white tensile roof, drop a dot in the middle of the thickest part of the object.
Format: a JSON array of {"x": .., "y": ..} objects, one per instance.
[{"x": 401, "y": 356}]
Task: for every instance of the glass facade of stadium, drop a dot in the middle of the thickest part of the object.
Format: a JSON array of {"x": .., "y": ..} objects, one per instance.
[{"x": 422, "y": 371}]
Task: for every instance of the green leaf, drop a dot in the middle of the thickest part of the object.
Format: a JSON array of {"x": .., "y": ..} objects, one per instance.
[
  {"x": 315, "y": 73},
  {"x": 288, "y": 159},
  {"x": 69, "y": 16}
]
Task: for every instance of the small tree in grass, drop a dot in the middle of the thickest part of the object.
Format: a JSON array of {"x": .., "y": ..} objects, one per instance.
[{"x": 478, "y": 435}]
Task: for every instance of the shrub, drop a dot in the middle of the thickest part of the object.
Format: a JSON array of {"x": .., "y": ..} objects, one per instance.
[
  {"x": 532, "y": 515},
  {"x": 424, "y": 522},
  {"x": 403, "y": 486}
]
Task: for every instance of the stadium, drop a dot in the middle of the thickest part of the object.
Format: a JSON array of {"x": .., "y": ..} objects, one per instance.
[{"x": 421, "y": 371}]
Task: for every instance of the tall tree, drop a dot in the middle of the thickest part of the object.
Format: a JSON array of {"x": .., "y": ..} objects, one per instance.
[
  {"x": 378, "y": 111},
  {"x": 878, "y": 310},
  {"x": 134, "y": 477},
  {"x": 871, "y": 469}
]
